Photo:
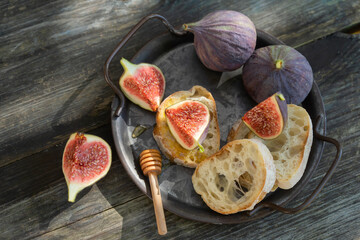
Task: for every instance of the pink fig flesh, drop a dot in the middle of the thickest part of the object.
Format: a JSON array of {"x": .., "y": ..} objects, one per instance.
[
  {"x": 86, "y": 159},
  {"x": 188, "y": 122},
  {"x": 268, "y": 118},
  {"x": 143, "y": 84}
]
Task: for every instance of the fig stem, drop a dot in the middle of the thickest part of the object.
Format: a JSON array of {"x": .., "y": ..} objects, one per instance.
[
  {"x": 127, "y": 65},
  {"x": 72, "y": 197},
  {"x": 281, "y": 97},
  {"x": 187, "y": 26},
  {"x": 201, "y": 148},
  {"x": 278, "y": 64},
  {"x": 73, "y": 190}
]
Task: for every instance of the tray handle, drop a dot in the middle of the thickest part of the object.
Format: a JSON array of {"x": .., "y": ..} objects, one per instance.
[
  {"x": 114, "y": 87},
  {"x": 321, "y": 185}
]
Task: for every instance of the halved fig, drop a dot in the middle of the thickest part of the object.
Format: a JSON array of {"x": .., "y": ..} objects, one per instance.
[
  {"x": 188, "y": 122},
  {"x": 86, "y": 159},
  {"x": 268, "y": 118},
  {"x": 143, "y": 84}
]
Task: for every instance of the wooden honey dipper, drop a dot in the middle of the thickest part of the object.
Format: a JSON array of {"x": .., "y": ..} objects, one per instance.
[{"x": 150, "y": 162}]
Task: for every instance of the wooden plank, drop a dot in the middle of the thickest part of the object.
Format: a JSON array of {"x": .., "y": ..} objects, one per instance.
[
  {"x": 105, "y": 225},
  {"x": 49, "y": 209},
  {"x": 115, "y": 208},
  {"x": 52, "y": 55},
  {"x": 136, "y": 220},
  {"x": 33, "y": 196},
  {"x": 39, "y": 171}
]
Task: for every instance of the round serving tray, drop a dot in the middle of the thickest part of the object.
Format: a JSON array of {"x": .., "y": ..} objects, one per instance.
[{"x": 175, "y": 55}]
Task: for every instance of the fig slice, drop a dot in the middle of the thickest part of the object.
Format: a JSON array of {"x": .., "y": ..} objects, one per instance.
[
  {"x": 143, "y": 84},
  {"x": 268, "y": 118},
  {"x": 188, "y": 122},
  {"x": 86, "y": 159}
]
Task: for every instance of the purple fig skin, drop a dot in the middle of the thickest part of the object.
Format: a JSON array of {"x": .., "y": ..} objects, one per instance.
[
  {"x": 204, "y": 134},
  {"x": 282, "y": 106},
  {"x": 277, "y": 68},
  {"x": 224, "y": 39}
]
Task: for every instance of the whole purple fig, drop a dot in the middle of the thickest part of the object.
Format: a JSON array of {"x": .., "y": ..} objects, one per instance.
[
  {"x": 277, "y": 68},
  {"x": 224, "y": 39}
]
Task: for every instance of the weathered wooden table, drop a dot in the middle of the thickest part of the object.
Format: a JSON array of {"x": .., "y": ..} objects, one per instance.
[{"x": 51, "y": 84}]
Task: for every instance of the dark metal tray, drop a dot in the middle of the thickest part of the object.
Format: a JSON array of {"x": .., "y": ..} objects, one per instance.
[{"x": 175, "y": 55}]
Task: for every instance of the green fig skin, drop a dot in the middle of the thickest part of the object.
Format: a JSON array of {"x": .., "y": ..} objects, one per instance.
[
  {"x": 224, "y": 39},
  {"x": 277, "y": 68}
]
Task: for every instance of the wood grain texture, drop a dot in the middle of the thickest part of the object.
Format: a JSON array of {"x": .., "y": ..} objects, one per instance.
[
  {"x": 38, "y": 172},
  {"x": 33, "y": 197},
  {"x": 276, "y": 226},
  {"x": 52, "y": 53},
  {"x": 114, "y": 208}
]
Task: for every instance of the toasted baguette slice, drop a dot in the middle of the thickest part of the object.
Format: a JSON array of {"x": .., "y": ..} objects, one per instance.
[
  {"x": 237, "y": 177},
  {"x": 290, "y": 149},
  {"x": 166, "y": 141}
]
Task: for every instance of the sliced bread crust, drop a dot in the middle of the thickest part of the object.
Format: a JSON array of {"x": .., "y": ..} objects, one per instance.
[
  {"x": 166, "y": 141},
  {"x": 290, "y": 150},
  {"x": 237, "y": 177}
]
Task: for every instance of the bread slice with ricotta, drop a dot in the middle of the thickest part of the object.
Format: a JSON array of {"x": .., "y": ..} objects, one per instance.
[
  {"x": 236, "y": 178},
  {"x": 166, "y": 141},
  {"x": 290, "y": 150}
]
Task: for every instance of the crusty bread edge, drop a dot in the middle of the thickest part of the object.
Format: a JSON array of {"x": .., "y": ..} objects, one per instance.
[
  {"x": 270, "y": 166},
  {"x": 240, "y": 130},
  {"x": 289, "y": 183},
  {"x": 270, "y": 175}
]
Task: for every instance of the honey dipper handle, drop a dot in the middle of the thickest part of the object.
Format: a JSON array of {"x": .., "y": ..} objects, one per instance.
[{"x": 158, "y": 206}]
